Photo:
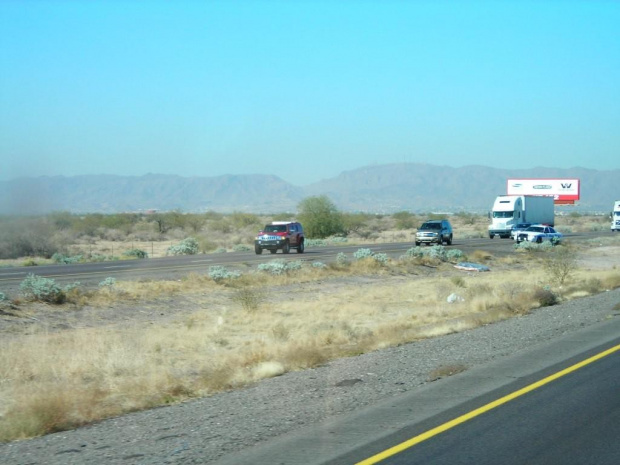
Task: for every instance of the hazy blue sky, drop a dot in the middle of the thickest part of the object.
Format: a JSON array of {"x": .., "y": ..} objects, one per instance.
[{"x": 306, "y": 89}]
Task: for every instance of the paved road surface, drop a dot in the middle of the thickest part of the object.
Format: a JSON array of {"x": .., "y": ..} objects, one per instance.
[{"x": 90, "y": 274}]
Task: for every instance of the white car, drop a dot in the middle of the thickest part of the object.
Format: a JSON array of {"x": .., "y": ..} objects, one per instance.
[{"x": 539, "y": 233}]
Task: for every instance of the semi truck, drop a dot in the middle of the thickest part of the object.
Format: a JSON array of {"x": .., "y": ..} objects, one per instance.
[
  {"x": 615, "y": 217},
  {"x": 510, "y": 210}
]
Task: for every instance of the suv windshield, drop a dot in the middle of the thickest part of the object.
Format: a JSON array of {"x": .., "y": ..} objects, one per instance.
[
  {"x": 431, "y": 226},
  {"x": 275, "y": 228}
]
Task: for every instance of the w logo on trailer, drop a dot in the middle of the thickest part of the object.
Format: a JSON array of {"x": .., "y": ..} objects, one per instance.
[{"x": 566, "y": 185}]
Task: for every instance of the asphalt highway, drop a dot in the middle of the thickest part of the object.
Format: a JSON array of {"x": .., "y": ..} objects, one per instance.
[
  {"x": 558, "y": 403},
  {"x": 90, "y": 274},
  {"x": 572, "y": 420}
]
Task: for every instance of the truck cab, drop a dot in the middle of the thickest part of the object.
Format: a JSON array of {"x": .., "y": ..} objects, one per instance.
[{"x": 506, "y": 214}]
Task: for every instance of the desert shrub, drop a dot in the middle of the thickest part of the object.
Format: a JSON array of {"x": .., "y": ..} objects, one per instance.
[
  {"x": 3, "y": 296},
  {"x": 360, "y": 254},
  {"x": 30, "y": 262},
  {"x": 480, "y": 290},
  {"x": 545, "y": 296},
  {"x": 280, "y": 267},
  {"x": 533, "y": 246},
  {"x": 96, "y": 257},
  {"x": 23, "y": 237},
  {"x": 458, "y": 281},
  {"x": 320, "y": 217},
  {"x": 280, "y": 332},
  {"x": 380, "y": 258},
  {"x": 222, "y": 225},
  {"x": 369, "y": 235},
  {"x": 338, "y": 240},
  {"x": 354, "y": 222},
  {"x": 454, "y": 255},
  {"x": 593, "y": 285},
  {"x": 107, "y": 282},
  {"x": 319, "y": 265},
  {"x": 404, "y": 220},
  {"x": 35, "y": 287},
  {"x": 274, "y": 267},
  {"x": 221, "y": 250},
  {"x": 248, "y": 298},
  {"x": 341, "y": 259},
  {"x": 560, "y": 263},
  {"x": 467, "y": 218},
  {"x": 294, "y": 265},
  {"x": 220, "y": 273},
  {"x": 413, "y": 252},
  {"x": 241, "y": 220},
  {"x": 194, "y": 222},
  {"x": 438, "y": 252},
  {"x": 138, "y": 253},
  {"x": 206, "y": 245},
  {"x": 187, "y": 246},
  {"x": 72, "y": 286},
  {"x": 241, "y": 248},
  {"x": 60, "y": 258}
]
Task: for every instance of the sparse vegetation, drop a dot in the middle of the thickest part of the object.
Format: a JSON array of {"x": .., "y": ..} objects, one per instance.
[
  {"x": 187, "y": 246},
  {"x": 248, "y": 298},
  {"x": 560, "y": 263},
  {"x": 137, "y": 253},
  {"x": 35, "y": 287},
  {"x": 222, "y": 332},
  {"x": 320, "y": 217},
  {"x": 220, "y": 273}
]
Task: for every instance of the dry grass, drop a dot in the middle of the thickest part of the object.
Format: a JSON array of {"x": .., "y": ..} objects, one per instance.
[{"x": 234, "y": 334}]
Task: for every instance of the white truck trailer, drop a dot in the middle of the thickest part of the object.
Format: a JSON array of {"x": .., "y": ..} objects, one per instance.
[
  {"x": 615, "y": 217},
  {"x": 510, "y": 210}
]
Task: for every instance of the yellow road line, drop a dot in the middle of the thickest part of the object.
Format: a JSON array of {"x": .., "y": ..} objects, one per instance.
[{"x": 485, "y": 408}]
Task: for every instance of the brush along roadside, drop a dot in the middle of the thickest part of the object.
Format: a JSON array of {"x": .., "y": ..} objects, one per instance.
[{"x": 140, "y": 345}]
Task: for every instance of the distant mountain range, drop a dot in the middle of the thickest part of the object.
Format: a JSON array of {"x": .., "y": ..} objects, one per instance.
[{"x": 379, "y": 188}]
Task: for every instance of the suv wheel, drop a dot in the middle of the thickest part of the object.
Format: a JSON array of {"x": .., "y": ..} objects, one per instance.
[
  {"x": 449, "y": 241},
  {"x": 301, "y": 247},
  {"x": 258, "y": 250},
  {"x": 272, "y": 251},
  {"x": 440, "y": 240},
  {"x": 286, "y": 248}
]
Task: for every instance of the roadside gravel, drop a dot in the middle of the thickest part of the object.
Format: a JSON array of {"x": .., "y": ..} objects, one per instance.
[{"x": 204, "y": 430}]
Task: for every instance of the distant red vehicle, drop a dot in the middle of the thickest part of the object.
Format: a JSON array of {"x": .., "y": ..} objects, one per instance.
[{"x": 284, "y": 235}]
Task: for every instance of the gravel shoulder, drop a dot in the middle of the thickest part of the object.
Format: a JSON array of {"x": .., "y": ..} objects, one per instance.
[{"x": 205, "y": 430}]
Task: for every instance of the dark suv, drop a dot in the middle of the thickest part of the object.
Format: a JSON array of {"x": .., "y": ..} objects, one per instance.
[
  {"x": 285, "y": 235},
  {"x": 438, "y": 231}
]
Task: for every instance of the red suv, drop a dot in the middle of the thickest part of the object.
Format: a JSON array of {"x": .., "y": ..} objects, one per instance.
[{"x": 285, "y": 235}]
